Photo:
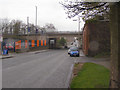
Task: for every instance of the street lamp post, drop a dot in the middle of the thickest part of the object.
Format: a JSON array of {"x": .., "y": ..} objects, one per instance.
[
  {"x": 78, "y": 24},
  {"x": 78, "y": 28}
]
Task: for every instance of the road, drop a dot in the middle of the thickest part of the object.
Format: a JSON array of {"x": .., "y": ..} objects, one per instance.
[{"x": 49, "y": 69}]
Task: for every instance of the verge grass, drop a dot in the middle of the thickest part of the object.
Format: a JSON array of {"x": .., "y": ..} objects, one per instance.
[{"x": 91, "y": 76}]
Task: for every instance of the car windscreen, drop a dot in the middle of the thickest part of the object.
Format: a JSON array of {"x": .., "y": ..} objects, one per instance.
[{"x": 73, "y": 48}]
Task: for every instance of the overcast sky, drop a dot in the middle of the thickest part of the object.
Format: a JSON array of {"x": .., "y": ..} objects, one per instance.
[{"x": 49, "y": 11}]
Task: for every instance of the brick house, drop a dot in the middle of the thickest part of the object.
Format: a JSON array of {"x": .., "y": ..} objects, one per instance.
[{"x": 96, "y": 37}]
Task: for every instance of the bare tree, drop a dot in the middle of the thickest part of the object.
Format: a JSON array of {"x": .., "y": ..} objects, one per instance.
[
  {"x": 88, "y": 9},
  {"x": 4, "y": 23},
  {"x": 49, "y": 27},
  {"x": 32, "y": 28},
  {"x": 16, "y": 26}
]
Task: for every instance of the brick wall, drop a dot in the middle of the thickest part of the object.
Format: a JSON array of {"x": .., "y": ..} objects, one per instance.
[
  {"x": 96, "y": 38},
  {"x": 85, "y": 40}
]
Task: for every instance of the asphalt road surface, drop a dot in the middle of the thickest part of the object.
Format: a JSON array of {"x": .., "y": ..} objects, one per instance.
[{"x": 49, "y": 69}]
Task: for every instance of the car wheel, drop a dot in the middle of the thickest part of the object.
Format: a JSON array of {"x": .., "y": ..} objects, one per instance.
[{"x": 78, "y": 55}]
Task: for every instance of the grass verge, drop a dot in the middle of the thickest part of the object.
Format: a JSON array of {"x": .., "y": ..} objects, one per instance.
[{"x": 91, "y": 76}]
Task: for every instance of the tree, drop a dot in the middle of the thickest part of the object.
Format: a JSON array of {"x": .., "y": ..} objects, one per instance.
[
  {"x": 42, "y": 30},
  {"x": 11, "y": 28},
  {"x": 115, "y": 29},
  {"x": 90, "y": 10},
  {"x": 49, "y": 27},
  {"x": 62, "y": 41},
  {"x": 4, "y": 24},
  {"x": 16, "y": 27},
  {"x": 32, "y": 28}
]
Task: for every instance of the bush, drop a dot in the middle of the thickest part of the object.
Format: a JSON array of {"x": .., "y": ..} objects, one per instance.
[{"x": 62, "y": 41}]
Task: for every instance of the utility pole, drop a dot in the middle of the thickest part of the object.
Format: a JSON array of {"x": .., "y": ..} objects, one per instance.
[
  {"x": 27, "y": 25},
  {"x": 28, "y": 30},
  {"x": 36, "y": 16},
  {"x": 36, "y": 23}
]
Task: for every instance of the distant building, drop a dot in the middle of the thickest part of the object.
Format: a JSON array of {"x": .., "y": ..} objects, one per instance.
[
  {"x": 96, "y": 37},
  {"x": 76, "y": 42}
]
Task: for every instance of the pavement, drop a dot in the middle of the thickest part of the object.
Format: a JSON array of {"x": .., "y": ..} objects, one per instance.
[
  {"x": 6, "y": 56},
  {"x": 102, "y": 61},
  {"x": 11, "y": 55}
]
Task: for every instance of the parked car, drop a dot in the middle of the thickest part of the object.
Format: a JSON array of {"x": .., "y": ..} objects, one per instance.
[{"x": 73, "y": 51}]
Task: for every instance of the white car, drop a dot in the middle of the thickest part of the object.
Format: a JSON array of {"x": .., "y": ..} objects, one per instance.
[{"x": 68, "y": 51}]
